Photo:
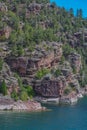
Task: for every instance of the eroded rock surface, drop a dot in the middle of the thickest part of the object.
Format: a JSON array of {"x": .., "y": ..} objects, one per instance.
[
  {"x": 6, "y": 103},
  {"x": 40, "y": 58}
]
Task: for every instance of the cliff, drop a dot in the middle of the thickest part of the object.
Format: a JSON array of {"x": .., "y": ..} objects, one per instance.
[{"x": 42, "y": 50}]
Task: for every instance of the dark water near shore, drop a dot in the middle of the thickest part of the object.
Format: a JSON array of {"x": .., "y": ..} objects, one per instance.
[{"x": 60, "y": 118}]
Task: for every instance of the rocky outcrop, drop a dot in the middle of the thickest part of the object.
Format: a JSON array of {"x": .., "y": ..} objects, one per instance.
[
  {"x": 4, "y": 49},
  {"x": 5, "y": 33},
  {"x": 71, "y": 79},
  {"x": 75, "y": 61},
  {"x": 70, "y": 99},
  {"x": 6, "y": 103},
  {"x": 41, "y": 58},
  {"x": 10, "y": 80},
  {"x": 18, "y": 64},
  {"x": 3, "y": 7},
  {"x": 33, "y": 8},
  {"x": 50, "y": 87},
  {"x": 46, "y": 24},
  {"x": 28, "y": 105}
]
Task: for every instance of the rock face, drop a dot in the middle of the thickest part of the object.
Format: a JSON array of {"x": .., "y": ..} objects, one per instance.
[
  {"x": 6, "y": 103},
  {"x": 48, "y": 56},
  {"x": 39, "y": 59},
  {"x": 29, "y": 106},
  {"x": 3, "y": 7},
  {"x": 18, "y": 64},
  {"x": 4, "y": 49},
  {"x": 5, "y": 32},
  {"x": 75, "y": 61},
  {"x": 69, "y": 76},
  {"x": 10, "y": 80},
  {"x": 33, "y": 8},
  {"x": 51, "y": 87}
]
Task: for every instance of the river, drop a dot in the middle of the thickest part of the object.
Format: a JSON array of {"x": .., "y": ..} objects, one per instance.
[{"x": 64, "y": 117}]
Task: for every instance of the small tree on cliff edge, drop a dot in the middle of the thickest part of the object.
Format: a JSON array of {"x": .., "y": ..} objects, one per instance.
[{"x": 4, "y": 88}]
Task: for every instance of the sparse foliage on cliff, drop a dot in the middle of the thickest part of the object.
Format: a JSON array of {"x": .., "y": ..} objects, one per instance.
[
  {"x": 1, "y": 63},
  {"x": 67, "y": 50},
  {"x": 67, "y": 91},
  {"x": 57, "y": 72},
  {"x": 41, "y": 73},
  {"x": 30, "y": 91},
  {"x": 24, "y": 96},
  {"x": 14, "y": 95}
]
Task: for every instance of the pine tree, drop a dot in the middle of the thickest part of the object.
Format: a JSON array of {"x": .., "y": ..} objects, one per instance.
[{"x": 4, "y": 88}]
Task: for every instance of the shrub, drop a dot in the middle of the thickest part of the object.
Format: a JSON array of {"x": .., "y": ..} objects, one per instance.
[
  {"x": 62, "y": 60},
  {"x": 30, "y": 91},
  {"x": 1, "y": 64},
  {"x": 14, "y": 95},
  {"x": 20, "y": 51},
  {"x": 67, "y": 91},
  {"x": 24, "y": 96},
  {"x": 57, "y": 72},
  {"x": 74, "y": 69},
  {"x": 19, "y": 80},
  {"x": 4, "y": 88},
  {"x": 2, "y": 38},
  {"x": 41, "y": 73},
  {"x": 67, "y": 49}
]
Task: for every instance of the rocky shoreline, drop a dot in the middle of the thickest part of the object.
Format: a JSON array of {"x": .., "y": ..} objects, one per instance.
[
  {"x": 7, "y": 104},
  {"x": 69, "y": 99},
  {"x": 34, "y": 105}
]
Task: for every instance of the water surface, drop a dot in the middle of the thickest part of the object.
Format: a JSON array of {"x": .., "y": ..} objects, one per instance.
[{"x": 60, "y": 118}]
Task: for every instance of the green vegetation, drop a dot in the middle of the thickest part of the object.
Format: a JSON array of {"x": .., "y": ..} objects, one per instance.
[
  {"x": 14, "y": 95},
  {"x": 41, "y": 73},
  {"x": 1, "y": 63},
  {"x": 67, "y": 50},
  {"x": 3, "y": 88},
  {"x": 62, "y": 59},
  {"x": 26, "y": 91},
  {"x": 74, "y": 69},
  {"x": 29, "y": 30},
  {"x": 57, "y": 73},
  {"x": 19, "y": 80},
  {"x": 30, "y": 91},
  {"x": 67, "y": 91},
  {"x": 23, "y": 96}
]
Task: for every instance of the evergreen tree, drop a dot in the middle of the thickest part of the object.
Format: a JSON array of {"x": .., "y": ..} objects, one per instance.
[
  {"x": 4, "y": 88},
  {"x": 71, "y": 12},
  {"x": 1, "y": 64}
]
